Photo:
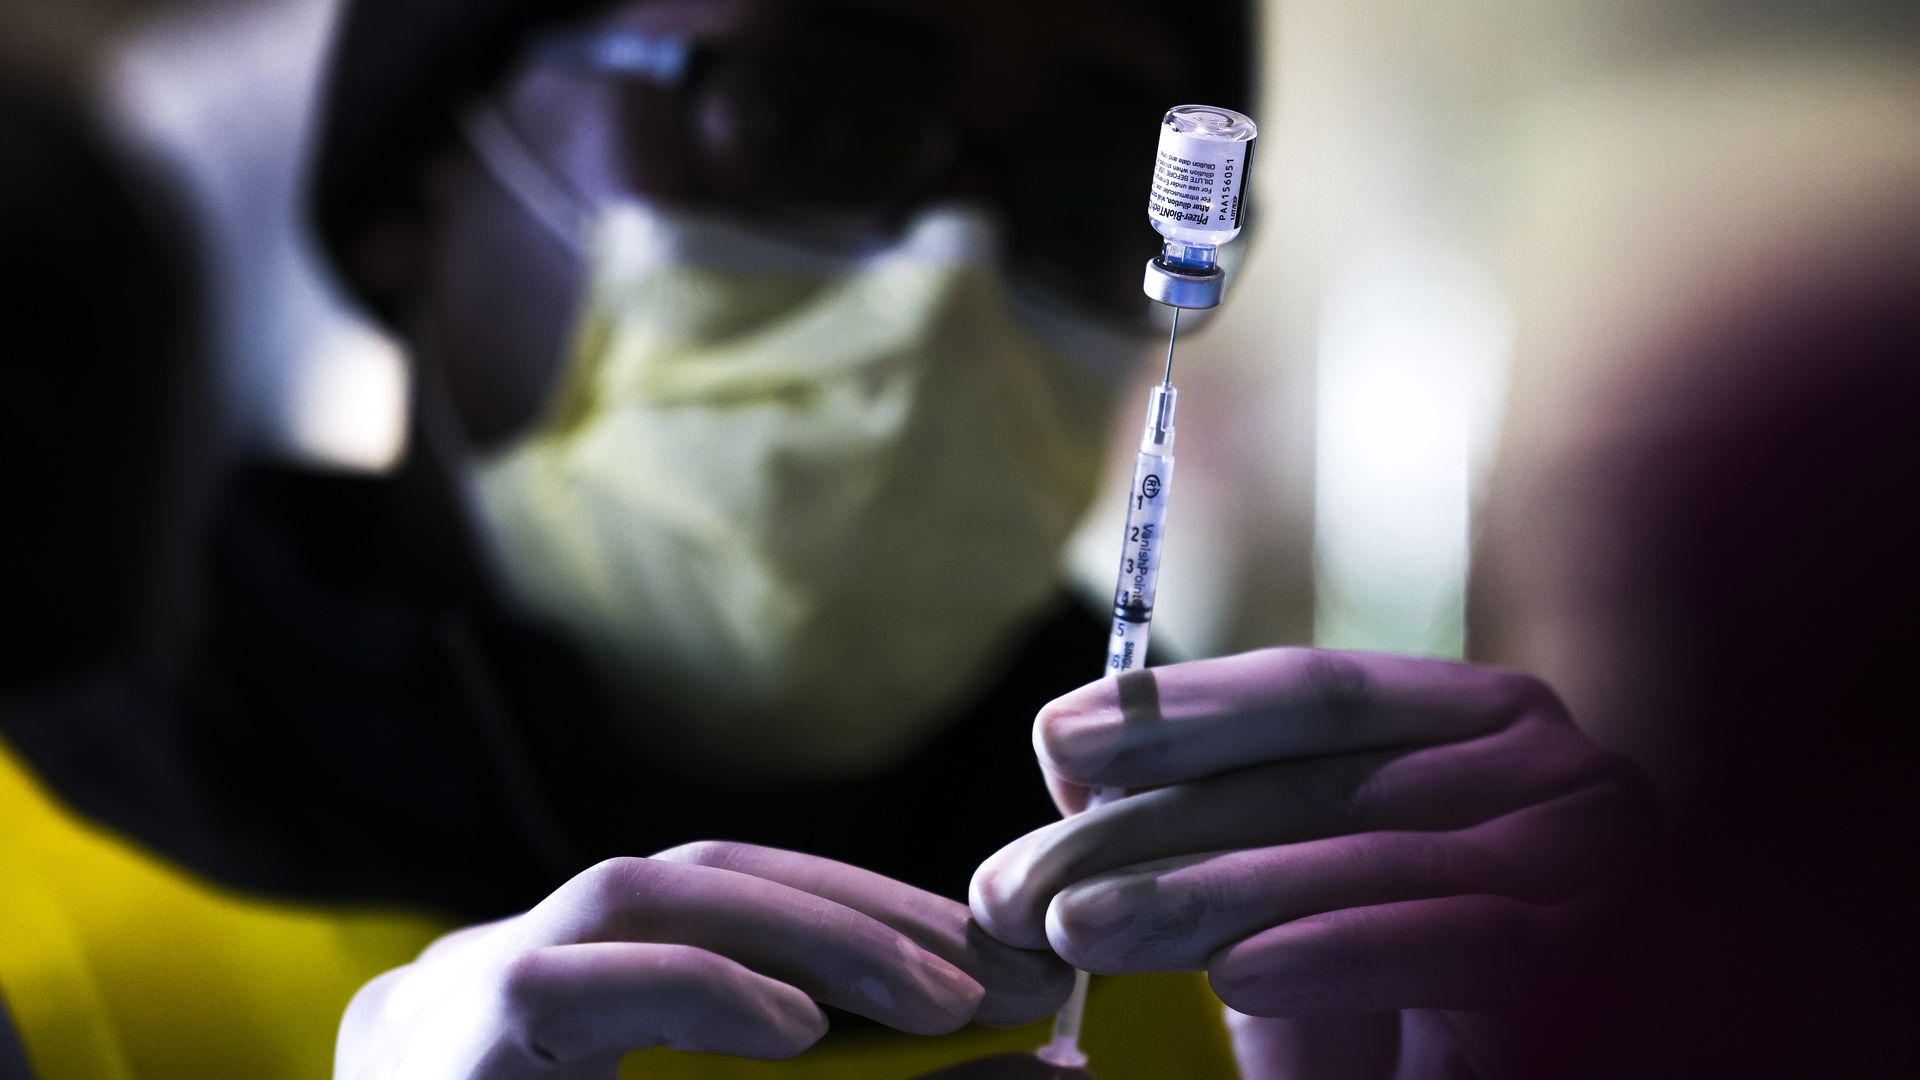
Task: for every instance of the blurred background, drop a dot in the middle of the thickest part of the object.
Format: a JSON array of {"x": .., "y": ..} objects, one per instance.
[
  {"x": 1475, "y": 221},
  {"x": 1576, "y": 335},
  {"x": 1495, "y": 241}
]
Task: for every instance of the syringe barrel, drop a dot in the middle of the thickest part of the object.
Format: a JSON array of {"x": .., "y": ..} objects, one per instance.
[
  {"x": 1139, "y": 576},
  {"x": 1144, "y": 534}
]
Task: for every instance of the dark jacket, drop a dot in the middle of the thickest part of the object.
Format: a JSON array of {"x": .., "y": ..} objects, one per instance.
[{"x": 356, "y": 723}]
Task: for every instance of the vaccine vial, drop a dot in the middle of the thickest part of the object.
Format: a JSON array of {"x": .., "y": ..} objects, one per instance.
[{"x": 1198, "y": 200}]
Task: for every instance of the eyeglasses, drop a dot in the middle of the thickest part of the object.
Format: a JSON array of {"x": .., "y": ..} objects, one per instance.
[{"x": 863, "y": 137}]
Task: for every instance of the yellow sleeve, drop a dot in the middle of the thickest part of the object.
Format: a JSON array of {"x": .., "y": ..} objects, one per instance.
[{"x": 118, "y": 966}]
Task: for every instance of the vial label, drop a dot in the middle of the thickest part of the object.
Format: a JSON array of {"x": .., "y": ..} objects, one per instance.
[{"x": 1197, "y": 182}]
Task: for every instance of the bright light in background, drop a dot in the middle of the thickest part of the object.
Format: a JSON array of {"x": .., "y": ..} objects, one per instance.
[
  {"x": 1414, "y": 348},
  {"x": 348, "y": 405},
  {"x": 220, "y": 96}
]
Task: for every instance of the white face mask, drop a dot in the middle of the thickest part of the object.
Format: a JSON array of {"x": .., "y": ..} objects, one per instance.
[{"x": 800, "y": 499}]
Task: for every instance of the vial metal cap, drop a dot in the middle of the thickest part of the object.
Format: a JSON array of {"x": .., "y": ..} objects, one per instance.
[{"x": 1183, "y": 288}]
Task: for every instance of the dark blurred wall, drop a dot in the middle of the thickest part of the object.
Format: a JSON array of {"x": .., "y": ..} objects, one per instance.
[{"x": 97, "y": 351}]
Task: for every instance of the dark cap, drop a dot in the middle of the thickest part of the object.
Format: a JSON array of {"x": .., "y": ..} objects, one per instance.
[
  {"x": 400, "y": 68},
  {"x": 397, "y": 71}
]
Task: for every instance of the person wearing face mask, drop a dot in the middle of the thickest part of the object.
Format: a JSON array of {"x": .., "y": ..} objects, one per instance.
[
  {"x": 762, "y": 460},
  {"x": 776, "y": 342},
  {"x": 678, "y": 468},
  {"x": 763, "y": 354}
]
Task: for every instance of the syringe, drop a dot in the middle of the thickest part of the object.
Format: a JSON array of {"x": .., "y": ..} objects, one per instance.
[
  {"x": 1199, "y": 177},
  {"x": 1140, "y": 547}
]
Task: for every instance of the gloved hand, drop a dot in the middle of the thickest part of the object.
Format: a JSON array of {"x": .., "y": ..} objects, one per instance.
[
  {"x": 1321, "y": 832},
  {"x": 714, "y": 947}
]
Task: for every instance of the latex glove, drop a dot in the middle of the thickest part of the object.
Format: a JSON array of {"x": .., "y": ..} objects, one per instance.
[
  {"x": 1321, "y": 832},
  {"x": 716, "y": 947}
]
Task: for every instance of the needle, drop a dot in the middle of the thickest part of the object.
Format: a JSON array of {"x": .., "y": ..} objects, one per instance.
[{"x": 1168, "y": 377}]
